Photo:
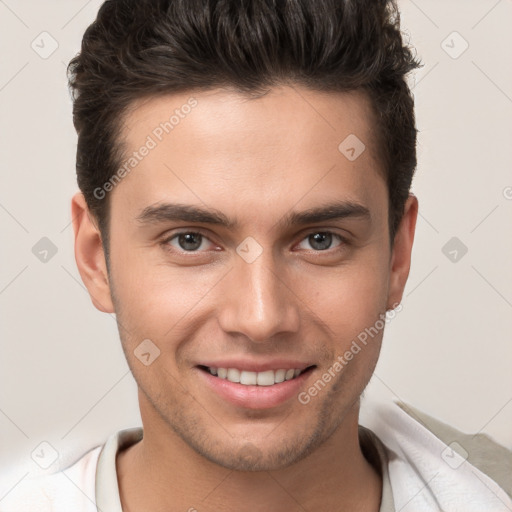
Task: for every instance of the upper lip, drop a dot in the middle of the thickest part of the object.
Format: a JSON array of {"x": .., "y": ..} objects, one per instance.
[{"x": 257, "y": 366}]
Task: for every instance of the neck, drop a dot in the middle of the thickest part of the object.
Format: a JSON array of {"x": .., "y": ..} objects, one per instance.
[{"x": 163, "y": 472}]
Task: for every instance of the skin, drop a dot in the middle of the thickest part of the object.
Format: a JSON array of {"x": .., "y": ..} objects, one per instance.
[{"x": 254, "y": 160}]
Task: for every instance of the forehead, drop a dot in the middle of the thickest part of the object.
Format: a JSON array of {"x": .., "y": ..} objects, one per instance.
[
  {"x": 297, "y": 114},
  {"x": 288, "y": 146}
]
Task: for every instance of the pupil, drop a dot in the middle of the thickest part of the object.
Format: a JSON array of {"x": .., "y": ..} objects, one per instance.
[
  {"x": 186, "y": 241},
  {"x": 323, "y": 240}
]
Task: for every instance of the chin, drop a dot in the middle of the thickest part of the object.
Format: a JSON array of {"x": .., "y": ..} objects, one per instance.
[{"x": 262, "y": 455}]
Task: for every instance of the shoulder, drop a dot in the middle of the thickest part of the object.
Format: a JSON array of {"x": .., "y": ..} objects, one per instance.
[
  {"x": 480, "y": 450},
  {"x": 70, "y": 489},
  {"x": 434, "y": 466}
]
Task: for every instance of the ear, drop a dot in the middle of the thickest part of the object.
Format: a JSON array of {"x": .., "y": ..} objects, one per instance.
[
  {"x": 400, "y": 262},
  {"x": 89, "y": 255}
]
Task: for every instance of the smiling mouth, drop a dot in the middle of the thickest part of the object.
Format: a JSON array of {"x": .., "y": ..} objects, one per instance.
[{"x": 248, "y": 378}]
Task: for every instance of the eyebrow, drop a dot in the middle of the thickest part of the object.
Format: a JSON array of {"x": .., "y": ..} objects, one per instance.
[{"x": 174, "y": 212}]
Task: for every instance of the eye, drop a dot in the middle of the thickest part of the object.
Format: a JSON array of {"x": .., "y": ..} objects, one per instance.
[
  {"x": 187, "y": 241},
  {"x": 322, "y": 240}
]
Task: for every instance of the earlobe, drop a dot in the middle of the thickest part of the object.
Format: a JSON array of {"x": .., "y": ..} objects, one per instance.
[
  {"x": 401, "y": 254},
  {"x": 89, "y": 255}
]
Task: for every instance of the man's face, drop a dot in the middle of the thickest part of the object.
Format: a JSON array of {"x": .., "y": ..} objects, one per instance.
[{"x": 261, "y": 293}]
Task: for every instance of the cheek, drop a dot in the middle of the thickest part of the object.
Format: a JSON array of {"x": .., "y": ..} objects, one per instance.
[
  {"x": 158, "y": 301},
  {"x": 350, "y": 298},
  {"x": 353, "y": 307}
]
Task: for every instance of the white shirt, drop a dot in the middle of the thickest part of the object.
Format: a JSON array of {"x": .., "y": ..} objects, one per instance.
[{"x": 420, "y": 472}]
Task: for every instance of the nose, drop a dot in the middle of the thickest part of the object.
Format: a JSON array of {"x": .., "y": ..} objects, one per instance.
[{"x": 258, "y": 300}]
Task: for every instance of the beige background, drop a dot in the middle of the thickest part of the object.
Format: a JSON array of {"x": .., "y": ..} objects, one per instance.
[{"x": 63, "y": 377}]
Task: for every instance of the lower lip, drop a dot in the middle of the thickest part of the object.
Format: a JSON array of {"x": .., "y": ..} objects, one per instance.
[{"x": 255, "y": 397}]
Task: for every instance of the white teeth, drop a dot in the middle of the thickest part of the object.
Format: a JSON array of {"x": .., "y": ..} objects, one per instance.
[
  {"x": 266, "y": 378},
  {"x": 279, "y": 376},
  {"x": 233, "y": 375},
  {"x": 248, "y": 378}
]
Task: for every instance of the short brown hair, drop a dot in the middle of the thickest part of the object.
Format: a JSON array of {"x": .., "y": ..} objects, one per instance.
[{"x": 143, "y": 48}]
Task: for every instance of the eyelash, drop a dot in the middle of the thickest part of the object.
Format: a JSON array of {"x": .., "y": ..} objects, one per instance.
[{"x": 165, "y": 243}]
